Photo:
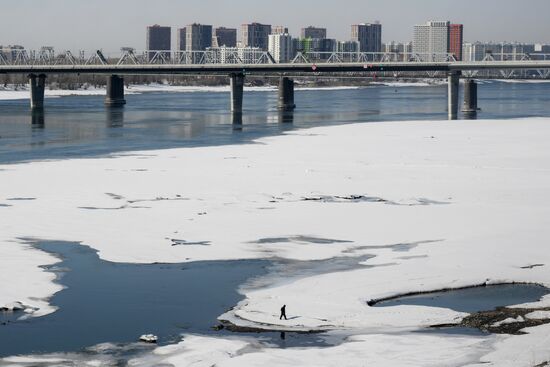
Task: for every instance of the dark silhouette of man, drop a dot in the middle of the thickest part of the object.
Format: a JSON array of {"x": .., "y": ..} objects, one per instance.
[{"x": 283, "y": 313}]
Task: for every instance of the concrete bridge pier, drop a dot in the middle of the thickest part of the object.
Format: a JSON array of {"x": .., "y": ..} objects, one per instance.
[
  {"x": 454, "y": 83},
  {"x": 470, "y": 97},
  {"x": 115, "y": 91},
  {"x": 237, "y": 92},
  {"x": 38, "y": 86},
  {"x": 286, "y": 94}
]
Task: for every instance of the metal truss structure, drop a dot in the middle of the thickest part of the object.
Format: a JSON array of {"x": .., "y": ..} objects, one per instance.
[{"x": 46, "y": 56}]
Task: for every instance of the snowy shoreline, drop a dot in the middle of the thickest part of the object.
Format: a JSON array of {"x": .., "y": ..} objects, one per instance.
[
  {"x": 21, "y": 92},
  {"x": 12, "y": 93},
  {"x": 418, "y": 198}
]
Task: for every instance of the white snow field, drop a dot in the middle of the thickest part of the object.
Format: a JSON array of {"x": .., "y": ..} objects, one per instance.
[
  {"x": 10, "y": 93},
  {"x": 435, "y": 204}
]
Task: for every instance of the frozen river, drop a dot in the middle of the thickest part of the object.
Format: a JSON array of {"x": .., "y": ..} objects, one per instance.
[{"x": 322, "y": 219}]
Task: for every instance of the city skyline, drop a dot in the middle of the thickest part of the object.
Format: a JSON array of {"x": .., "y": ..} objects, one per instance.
[{"x": 125, "y": 26}]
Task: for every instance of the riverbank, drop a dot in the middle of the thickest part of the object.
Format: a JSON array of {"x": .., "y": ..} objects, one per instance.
[{"x": 53, "y": 90}]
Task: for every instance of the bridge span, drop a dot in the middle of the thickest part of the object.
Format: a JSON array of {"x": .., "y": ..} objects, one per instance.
[{"x": 38, "y": 69}]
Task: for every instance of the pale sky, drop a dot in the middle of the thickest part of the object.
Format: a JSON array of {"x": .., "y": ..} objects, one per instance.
[{"x": 110, "y": 24}]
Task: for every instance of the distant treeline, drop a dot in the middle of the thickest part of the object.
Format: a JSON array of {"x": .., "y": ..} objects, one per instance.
[{"x": 74, "y": 81}]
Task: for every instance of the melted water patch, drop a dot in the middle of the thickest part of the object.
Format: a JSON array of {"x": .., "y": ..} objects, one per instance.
[
  {"x": 473, "y": 299},
  {"x": 118, "y": 302},
  {"x": 300, "y": 239}
]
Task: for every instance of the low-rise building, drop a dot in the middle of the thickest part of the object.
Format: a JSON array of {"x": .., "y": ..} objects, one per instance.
[{"x": 500, "y": 51}]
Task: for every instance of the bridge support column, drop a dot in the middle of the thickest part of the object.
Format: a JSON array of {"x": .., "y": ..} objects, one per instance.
[
  {"x": 115, "y": 92},
  {"x": 470, "y": 97},
  {"x": 38, "y": 86},
  {"x": 286, "y": 94},
  {"x": 237, "y": 91},
  {"x": 454, "y": 83}
]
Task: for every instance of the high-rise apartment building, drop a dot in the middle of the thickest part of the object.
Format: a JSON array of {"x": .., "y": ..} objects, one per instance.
[
  {"x": 158, "y": 39},
  {"x": 181, "y": 39},
  {"x": 279, "y": 29},
  {"x": 224, "y": 37},
  {"x": 456, "y": 40},
  {"x": 434, "y": 40},
  {"x": 431, "y": 40},
  {"x": 281, "y": 47},
  {"x": 314, "y": 32},
  {"x": 368, "y": 35},
  {"x": 198, "y": 37},
  {"x": 255, "y": 35}
]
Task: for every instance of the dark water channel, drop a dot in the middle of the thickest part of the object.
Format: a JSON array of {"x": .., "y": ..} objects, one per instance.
[
  {"x": 118, "y": 302},
  {"x": 80, "y": 126}
]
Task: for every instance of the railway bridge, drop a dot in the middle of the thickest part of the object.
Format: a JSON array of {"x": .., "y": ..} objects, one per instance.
[{"x": 39, "y": 65}]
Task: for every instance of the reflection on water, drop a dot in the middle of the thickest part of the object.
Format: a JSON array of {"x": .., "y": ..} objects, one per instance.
[
  {"x": 81, "y": 126},
  {"x": 471, "y": 115},
  {"x": 286, "y": 116},
  {"x": 38, "y": 118},
  {"x": 115, "y": 116}
]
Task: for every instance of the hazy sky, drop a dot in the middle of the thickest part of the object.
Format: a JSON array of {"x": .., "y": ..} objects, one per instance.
[{"x": 110, "y": 24}]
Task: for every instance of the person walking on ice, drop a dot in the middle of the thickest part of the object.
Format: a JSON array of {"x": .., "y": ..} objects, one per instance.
[{"x": 283, "y": 313}]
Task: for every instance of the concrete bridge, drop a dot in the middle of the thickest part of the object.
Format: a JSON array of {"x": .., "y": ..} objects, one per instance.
[{"x": 37, "y": 68}]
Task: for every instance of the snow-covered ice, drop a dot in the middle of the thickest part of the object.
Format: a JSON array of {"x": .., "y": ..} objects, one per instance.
[
  {"x": 538, "y": 315},
  {"x": 425, "y": 205},
  {"x": 148, "y": 338},
  {"x": 510, "y": 320},
  {"x": 370, "y": 350},
  {"x": 14, "y": 306}
]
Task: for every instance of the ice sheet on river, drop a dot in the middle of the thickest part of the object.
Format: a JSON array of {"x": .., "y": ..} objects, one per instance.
[{"x": 493, "y": 176}]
